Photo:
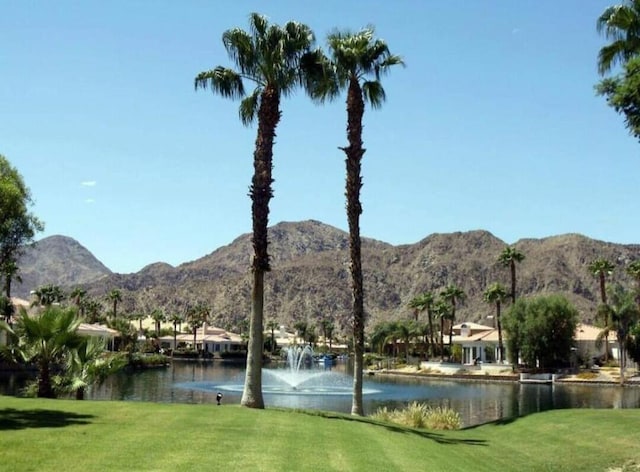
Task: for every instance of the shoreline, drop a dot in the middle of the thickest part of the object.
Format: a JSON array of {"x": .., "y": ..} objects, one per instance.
[{"x": 606, "y": 377}]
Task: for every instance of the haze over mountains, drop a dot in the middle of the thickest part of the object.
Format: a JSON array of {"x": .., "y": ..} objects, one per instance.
[{"x": 310, "y": 277}]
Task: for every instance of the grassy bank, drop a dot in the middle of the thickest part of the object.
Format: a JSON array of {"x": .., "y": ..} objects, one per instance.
[{"x": 114, "y": 436}]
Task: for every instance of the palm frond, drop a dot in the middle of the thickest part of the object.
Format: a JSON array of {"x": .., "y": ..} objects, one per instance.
[
  {"x": 374, "y": 93},
  {"x": 226, "y": 82},
  {"x": 248, "y": 110}
]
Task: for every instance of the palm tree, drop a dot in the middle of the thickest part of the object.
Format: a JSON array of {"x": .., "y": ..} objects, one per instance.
[
  {"x": 328, "y": 327},
  {"x": 621, "y": 25},
  {"x": 601, "y": 268},
  {"x": 46, "y": 339},
  {"x": 272, "y": 325},
  {"x": 453, "y": 295},
  {"x": 175, "y": 318},
  {"x": 78, "y": 295},
  {"x": 269, "y": 56},
  {"x": 405, "y": 330},
  {"x": 634, "y": 271},
  {"x": 442, "y": 309},
  {"x": 357, "y": 63},
  {"x": 508, "y": 258},
  {"x": 47, "y": 295},
  {"x": 496, "y": 294},
  {"x": 423, "y": 302},
  {"x": 623, "y": 313},
  {"x": 115, "y": 296}
]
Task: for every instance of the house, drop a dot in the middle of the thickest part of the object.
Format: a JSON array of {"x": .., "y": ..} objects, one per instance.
[
  {"x": 207, "y": 339},
  {"x": 479, "y": 342}
]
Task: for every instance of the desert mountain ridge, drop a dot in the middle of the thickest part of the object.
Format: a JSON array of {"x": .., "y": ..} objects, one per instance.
[{"x": 310, "y": 274}]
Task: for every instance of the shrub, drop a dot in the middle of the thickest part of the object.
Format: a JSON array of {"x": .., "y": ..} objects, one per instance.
[
  {"x": 587, "y": 375},
  {"x": 419, "y": 415}
]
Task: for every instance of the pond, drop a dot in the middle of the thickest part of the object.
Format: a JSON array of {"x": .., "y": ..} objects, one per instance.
[{"x": 477, "y": 402}]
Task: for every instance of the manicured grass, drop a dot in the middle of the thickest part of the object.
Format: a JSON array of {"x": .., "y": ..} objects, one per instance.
[{"x": 64, "y": 435}]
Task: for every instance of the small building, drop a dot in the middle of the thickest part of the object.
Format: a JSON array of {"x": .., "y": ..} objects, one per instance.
[{"x": 207, "y": 339}]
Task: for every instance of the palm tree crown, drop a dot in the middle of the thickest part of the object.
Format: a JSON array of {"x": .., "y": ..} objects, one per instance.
[
  {"x": 508, "y": 258},
  {"x": 621, "y": 25}
]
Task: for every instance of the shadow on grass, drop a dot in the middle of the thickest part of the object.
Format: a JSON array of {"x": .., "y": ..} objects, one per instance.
[
  {"x": 12, "y": 419},
  {"x": 423, "y": 433}
]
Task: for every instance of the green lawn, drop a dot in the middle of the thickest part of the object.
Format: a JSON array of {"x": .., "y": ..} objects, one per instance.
[{"x": 64, "y": 435}]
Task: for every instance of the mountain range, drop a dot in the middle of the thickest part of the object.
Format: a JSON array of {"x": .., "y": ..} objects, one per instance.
[{"x": 310, "y": 277}]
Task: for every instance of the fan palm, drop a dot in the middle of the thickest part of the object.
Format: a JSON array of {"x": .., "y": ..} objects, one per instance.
[
  {"x": 496, "y": 294},
  {"x": 269, "y": 56},
  {"x": 424, "y": 302},
  {"x": 621, "y": 25},
  {"x": 508, "y": 258},
  {"x": 356, "y": 64},
  {"x": 46, "y": 339},
  {"x": 453, "y": 295},
  {"x": 623, "y": 313}
]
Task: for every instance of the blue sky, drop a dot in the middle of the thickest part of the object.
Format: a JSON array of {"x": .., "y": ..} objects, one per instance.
[{"x": 492, "y": 125}]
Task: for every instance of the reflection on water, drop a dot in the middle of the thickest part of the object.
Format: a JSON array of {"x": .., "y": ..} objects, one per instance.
[{"x": 477, "y": 402}]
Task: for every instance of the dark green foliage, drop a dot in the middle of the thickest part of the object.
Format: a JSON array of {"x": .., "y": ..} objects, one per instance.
[
  {"x": 540, "y": 330},
  {"x": 623, "y": 95}
]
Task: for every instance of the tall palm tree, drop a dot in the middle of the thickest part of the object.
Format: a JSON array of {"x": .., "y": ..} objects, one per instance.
[
  {"x": 452, "y": 294},
  {"x": 424, "y": 302},
  {"x": 442, "y": 309},
  {"x": 356, "y": 64},
  {"x": 114, "y": 296},
  {"x": 621, "y": 25},
  {"x": 78, "y": 295},
  {"x": 496, "y": 294},
  {"x": 46, "y": 340},
  {"x": 509, "y": 257},
  {"x": 633, "y": 270},
  {"x": 269, "y": 56},
  {"x": 623, "y": 313},
  {"x": 601, "y": 268}
]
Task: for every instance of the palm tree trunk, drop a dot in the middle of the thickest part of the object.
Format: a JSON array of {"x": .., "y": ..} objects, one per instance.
[
  {"x": 261, "y": 193},
  {"x": 441, "y": 339},
  {"x": 513, "y": 281},
  {"x": 603, "y": 296},
  {"x": 431, "y": 337},
  {"x": 354, "y": 152},
  {"x": 44, "y": 381},
  {"x": 500, "y": 345}
]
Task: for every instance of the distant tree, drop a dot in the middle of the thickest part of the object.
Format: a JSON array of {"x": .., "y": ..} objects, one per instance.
[
  {"x": 509, "y": 257},
  {"x": 328, "y": 328},
  {"x": 407, "y": 331},
  {"x": 115, "y": 297},
  {"x": 93, "y": 310},
  {"x": 77, "y": 296},
  {"x": 272, "y": 325},
  {"x": 269, "y": 56},
  {"x": 47, "y": 340},
  {"x": 301, "y": 327},
  {"x": 541, "y": 330},
  {"x": 176, "y": 318},
  {"x": 454, "y": 295},
  {"x": 158, "y": 316},
  {"x": 424, "y": 302},
  {"x": 601, "y": 268},
  {"x": 47, "y": 295},
  {"x": 496, "y": 294},
  {"x": 633, "y": 269},
  {"x": 442, "y": 310},
  {"x": 623, "y": 315}
]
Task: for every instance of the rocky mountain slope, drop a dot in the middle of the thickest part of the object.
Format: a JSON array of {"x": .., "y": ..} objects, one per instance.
[
  {"x": 310, "y": 274},
  {"x": 59, "y": 260}
]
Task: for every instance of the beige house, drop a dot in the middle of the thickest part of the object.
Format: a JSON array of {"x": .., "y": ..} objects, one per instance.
[
  {"x": 480, "y": 343},
  {"x": 208, "y": 339}
]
